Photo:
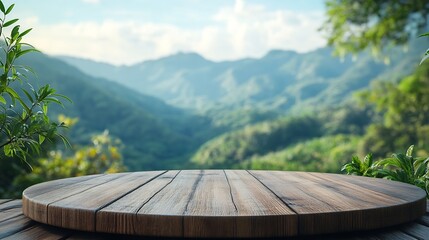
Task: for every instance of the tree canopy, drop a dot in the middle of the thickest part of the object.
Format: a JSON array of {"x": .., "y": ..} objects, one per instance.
[{"x": 355, "y": 25}]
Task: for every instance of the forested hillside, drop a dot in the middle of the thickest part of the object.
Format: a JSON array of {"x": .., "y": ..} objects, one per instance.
[
  {"x": 154, "y": 134},
  {"x": 388, "y": 116},
  {"x": 314, "y": 87}
]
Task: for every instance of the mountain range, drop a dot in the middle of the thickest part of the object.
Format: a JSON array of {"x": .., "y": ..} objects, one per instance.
[
  {"x": 164, "y": 110},
  {"x": 281, "y": 80}
]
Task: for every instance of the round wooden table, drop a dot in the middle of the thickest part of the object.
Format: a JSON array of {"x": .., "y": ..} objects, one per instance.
[{"x": 223, "y": 203}]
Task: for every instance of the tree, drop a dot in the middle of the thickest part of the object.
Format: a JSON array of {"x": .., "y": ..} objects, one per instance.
[
  {"x": 23, "y": 127},
  {"x": 355, "y": 25},
  {"x": 404, "y": 112}
]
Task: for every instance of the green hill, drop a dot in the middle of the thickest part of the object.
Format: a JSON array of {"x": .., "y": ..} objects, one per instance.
[
  {"x": 155, "y": 135},
  {"x": 235, "y": 148},
  {"x": 321, "y": 141}
]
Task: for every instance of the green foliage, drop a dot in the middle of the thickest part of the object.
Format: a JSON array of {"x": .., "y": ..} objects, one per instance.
[
  {"x": 234, "y": 148},
  {"x": 25, "y": 127},
  {"x": 353, "y": 26},
  {"x": 103, "y": 155},
  {"x": 360, "y": 167},
  {"x": 324, "y": 154},
  {"x": 400, "y": 167},
  {"x": 402, "y": 114}
]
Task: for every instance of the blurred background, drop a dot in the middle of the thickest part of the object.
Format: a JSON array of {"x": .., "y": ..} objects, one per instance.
[{"x": 286, "y": 85}]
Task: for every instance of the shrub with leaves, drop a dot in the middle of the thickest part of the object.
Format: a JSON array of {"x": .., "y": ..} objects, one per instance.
[
  {"x": 24, "y": 121},
  {"x": 400, "y": 167},
  {"x": 360, "y": 167},
  {"x": 406, "y": 168}
]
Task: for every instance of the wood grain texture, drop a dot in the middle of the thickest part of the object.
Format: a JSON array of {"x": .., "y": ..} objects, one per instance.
[
  {"x": 118, "y": 217},
  {"x": 35, "y": 205},
  {"x": 224, "y": 203},
  {"x": 14, "y": 228},
  {"x": 39, "y": 231},
  {"x": 162, "y": 215},
  {"x": 260, "y": 213},
  {"x": 14, "y": 225},
  {"x": 339, "y": 205},
  {"x": 78, "y": 211}
]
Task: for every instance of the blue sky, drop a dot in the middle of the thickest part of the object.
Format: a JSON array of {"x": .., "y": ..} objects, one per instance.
[{"x": 126, "y": 32}]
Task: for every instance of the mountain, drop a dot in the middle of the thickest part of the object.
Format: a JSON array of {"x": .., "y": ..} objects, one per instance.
[
  {"x": 155, "y": 135},
  {"x": 281, "y": 80}
]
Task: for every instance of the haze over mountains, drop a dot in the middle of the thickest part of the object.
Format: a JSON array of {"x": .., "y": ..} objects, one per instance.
[
  {"x": 165, "y": 110},
  {"x": 279, "y": 81}
]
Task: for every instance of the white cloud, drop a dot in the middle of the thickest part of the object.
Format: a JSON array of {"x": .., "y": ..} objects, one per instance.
[{"x": 236, "y": 32}]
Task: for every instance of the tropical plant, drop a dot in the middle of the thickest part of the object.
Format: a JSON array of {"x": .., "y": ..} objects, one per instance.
[
  {"x": 406, "y": 168},
  {"x": 23, "y": 127},
  {"x": 400, "y": 167},
  {"x": 365, "y": 167}
]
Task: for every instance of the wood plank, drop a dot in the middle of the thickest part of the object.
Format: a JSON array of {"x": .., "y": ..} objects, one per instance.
[
  {"x": 406, "y": 210},
  {"x": 406, "y": 192},
  {"x": 11, "y": 205},
  {"x": 262, "y": 214},
  {"x": 78, "y": 211},
  {"x": 118, "y": 217},
  {"x": 40, "y": 232},
  {"x": 4, "y": 200},
  {"x": 10, "y": 213},
  {"x": 53, "y": 185},
  {"x": 416, "y": 230},
  {"x": 20, "y": 226},
  {"x": 14, "y": 225},
  {"x": 163, "y": 214},
  {"x": 210, "y": 208},
  {"x": 10, "y": 209},
  {"x": 338, "y": 205},
  {"x": 197, "y": 203},
  {"x": 35, "y": 206}
]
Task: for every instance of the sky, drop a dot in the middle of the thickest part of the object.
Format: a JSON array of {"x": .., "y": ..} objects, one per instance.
[{"x": 132, "y": 31}]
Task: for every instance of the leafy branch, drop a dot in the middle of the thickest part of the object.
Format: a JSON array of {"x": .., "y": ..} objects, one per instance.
[{"x": 25, "y": 127}]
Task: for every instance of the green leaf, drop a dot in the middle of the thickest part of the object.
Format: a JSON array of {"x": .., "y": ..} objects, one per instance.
[
  {"x": 10, "y": 22},
  {"x": 9, "y": 9},
  {"x": 424, "y": 34},
  {"x": 28, "y": 95},
  {"x": 410, "y": 151},
  {"x": 2, "y": 9},
  {"x": 24, "y": 33},
  {"x": 25, "y": 52},
  {"x": 41, "y": 138},
  {"x": 65, "y": 140},
  {"x": 45, "y": 109},
  {"x": 2, "y": 100},
  {"x": 425, "y": 57}
]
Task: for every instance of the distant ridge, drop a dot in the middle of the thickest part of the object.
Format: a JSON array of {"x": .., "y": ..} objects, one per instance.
[{"x": 280, "y": 80}]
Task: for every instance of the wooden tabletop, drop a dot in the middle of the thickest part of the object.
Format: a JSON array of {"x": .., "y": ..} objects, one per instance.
[{"x": 223, "y": 203}]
